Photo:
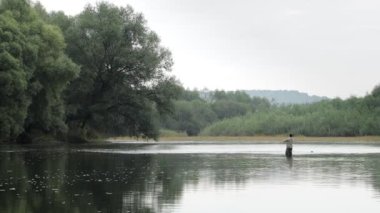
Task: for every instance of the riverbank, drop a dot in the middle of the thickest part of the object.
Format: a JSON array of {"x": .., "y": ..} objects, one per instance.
[
  {"x": 256, "y": 139},
  {"x": 208, "y": 139}
]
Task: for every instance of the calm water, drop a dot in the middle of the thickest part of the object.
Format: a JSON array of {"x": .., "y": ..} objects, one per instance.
[{"x": 187, "y": 177}]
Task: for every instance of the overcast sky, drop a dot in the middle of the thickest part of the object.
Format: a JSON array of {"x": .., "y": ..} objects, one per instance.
[{"x": 322, "y": 47}]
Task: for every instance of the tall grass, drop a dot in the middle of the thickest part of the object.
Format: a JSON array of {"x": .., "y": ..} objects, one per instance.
[{"x": 326, "y": 122}]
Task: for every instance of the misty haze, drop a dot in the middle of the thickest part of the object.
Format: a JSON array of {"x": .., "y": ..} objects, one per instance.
[{"x": 189, "y": 106}]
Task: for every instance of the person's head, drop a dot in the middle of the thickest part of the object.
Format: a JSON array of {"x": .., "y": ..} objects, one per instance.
[{"x": 290, "y": 135}]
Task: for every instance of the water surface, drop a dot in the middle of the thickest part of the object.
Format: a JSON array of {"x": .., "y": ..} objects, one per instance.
[{"x": 190, "y": 177}]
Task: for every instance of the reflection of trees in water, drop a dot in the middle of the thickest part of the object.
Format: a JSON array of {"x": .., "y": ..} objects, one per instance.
[
  {"x": 28, "y": 180},
  {"x": 90, "y": 182},
  {"x": 373, "y": 168}
]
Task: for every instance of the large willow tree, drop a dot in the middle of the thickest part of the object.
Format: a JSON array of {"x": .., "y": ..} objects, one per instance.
[
  {"x": 123, "y": 84},
  {"x": 33, "y": 72}
]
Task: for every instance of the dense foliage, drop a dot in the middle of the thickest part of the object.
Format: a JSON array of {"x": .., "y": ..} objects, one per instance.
[
  {"x": 193, "y": 113},
  {"x": 351, "y": 117},
  {"x": 221, "y": 113},
  {"x": 122, "y": 81},
  {"x": 34, "y": 72},
  {"x": 100, "y": 72}
]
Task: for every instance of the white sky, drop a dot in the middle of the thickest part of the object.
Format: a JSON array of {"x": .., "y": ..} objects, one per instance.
[{"x": 322, "y": 47}]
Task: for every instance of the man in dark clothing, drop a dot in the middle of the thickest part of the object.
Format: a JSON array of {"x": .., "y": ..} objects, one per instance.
[{"x": 289, "y": 146}]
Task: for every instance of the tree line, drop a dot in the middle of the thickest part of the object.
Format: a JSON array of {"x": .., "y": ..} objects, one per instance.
[
  {"x": 237, "y": 114},
  {"x": 195, "y": 111},
  {"x": 102, "y": 72}
]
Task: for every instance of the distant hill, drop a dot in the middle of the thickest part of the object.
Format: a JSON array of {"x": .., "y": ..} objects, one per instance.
[{"x": 285, "y": 96}]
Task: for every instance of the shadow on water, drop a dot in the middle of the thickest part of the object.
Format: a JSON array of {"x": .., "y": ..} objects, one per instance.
[{"x": 67, "y": 180}]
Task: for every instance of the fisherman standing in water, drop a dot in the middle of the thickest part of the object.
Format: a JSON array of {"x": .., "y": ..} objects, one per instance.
[{"x": 289, "y": 146}]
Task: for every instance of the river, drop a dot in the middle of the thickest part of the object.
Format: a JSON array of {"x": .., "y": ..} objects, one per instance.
[{"x": 190, "y": 177}]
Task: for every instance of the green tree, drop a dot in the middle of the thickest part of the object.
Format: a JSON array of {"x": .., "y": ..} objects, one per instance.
[
  {"x": 260, "y": 104},
  {"x": 190, "y": 117},
  {"x": 13, "y": 76},
  {"x": 189, "y": 95},
  {"x": 228, "y": 109},
  {"x": 376, "y": 91},
  {"x": 123, "y": 79},
  {"x": 34, "y": 72}
]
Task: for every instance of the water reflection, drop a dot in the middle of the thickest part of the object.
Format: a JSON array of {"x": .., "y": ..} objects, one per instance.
[
  {"x": 74, "y": 180},
  {"x": 290, "y": 162}
]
